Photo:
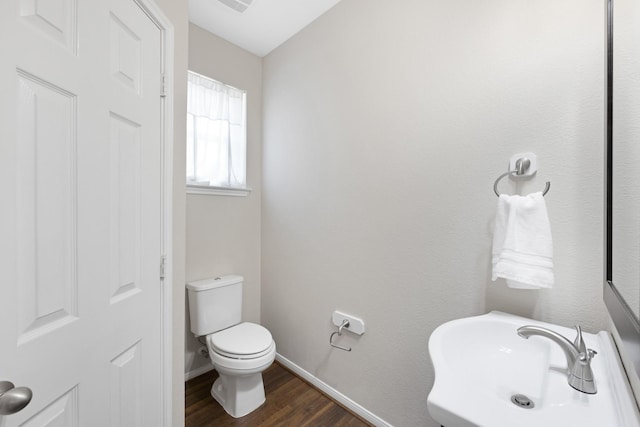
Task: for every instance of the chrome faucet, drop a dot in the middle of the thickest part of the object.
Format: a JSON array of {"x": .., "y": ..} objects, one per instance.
[{"x": 580, "y": 375}]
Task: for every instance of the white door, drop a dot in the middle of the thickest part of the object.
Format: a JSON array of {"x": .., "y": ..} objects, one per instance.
[{"x": 80, "y": 212}]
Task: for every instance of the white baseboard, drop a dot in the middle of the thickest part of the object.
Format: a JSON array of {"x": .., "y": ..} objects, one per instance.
[
  {"x": 198, "y": 371},
  {"x": 333, "y": 393}
]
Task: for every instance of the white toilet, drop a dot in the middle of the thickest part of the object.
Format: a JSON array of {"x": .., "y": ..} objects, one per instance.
[{"x": 238, "y": 351}]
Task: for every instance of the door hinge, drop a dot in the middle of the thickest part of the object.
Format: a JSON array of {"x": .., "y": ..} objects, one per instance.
[
  {"x": 163, "y": 260},
  {"x": 163, "y": 85}
]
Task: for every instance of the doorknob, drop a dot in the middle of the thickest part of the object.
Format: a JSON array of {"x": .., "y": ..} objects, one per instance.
[{"x": 12, "y": 398}]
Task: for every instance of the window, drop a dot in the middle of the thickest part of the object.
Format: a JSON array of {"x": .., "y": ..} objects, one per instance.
[{"x": 216, "y": 137}]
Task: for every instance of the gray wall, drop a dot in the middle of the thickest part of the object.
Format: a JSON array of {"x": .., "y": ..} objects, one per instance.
[
  {"x": 223, "y": 232},
  {"x": 385, "y": 126}
]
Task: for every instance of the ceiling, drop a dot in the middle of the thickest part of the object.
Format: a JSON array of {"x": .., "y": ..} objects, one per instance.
[{"x": 263, "y": 26}]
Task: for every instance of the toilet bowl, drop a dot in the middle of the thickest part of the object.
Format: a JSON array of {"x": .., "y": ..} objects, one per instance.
[
  {"x": 238, "y": 351},
  {"x": 240, "y": 359}
]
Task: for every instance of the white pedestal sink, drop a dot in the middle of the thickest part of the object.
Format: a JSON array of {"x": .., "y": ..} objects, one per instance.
[{"x": 481, "y": 362}]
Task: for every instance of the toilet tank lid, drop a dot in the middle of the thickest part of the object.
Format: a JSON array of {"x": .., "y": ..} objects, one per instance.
[{"x": 214, "y": 282}]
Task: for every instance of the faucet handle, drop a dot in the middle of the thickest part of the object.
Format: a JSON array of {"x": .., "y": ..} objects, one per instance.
[
  {"x": 586, "y": 354},
  {"x": 578, "y": 343}
]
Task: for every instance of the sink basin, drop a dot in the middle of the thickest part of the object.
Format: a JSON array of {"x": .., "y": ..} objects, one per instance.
[{"x": 481, "y": 362}]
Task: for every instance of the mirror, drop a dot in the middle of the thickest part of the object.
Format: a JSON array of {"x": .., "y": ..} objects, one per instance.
[{"x": 622, "y": 284}]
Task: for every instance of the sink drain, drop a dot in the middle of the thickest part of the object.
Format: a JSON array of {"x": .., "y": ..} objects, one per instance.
[{"x": 522, "y": 401}]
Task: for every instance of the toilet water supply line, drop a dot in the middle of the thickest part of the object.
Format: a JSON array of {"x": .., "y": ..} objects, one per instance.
[
  {"x": 203, "y": 350},
  {"x": 344, "y": 324}
]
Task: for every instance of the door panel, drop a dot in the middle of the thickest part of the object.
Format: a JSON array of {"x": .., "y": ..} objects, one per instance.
[
  {"x": 125, "y": 147},
  {"x": 46, "y": 207},
  {"x": 126, "y": 388},
  {"x": 55, "y": 18},
  {"x": 134, "y": 114},
  {"x": 61, "y": 412},
  {"x": 80, "y": 188}
]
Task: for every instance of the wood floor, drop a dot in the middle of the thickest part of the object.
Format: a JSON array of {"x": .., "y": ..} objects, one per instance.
[{"x": 290, "y": 402}]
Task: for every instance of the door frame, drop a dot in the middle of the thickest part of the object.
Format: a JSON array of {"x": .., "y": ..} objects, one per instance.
[{"x": 158, "y": 17}]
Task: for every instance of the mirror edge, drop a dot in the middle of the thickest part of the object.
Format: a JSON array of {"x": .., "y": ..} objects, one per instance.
[{"x": 625, "y": 322}]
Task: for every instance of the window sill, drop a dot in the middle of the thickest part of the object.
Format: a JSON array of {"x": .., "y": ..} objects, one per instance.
[{"x": 209, "y": 190}]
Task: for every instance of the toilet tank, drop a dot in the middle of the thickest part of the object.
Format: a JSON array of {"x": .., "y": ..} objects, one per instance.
[{"x": 215, "y": 304}]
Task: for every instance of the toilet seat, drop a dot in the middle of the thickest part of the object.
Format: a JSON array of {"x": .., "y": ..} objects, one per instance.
[{"x": 243, "y": 341}]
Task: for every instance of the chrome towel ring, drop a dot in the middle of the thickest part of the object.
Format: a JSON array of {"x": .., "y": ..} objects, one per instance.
[{"x": 522, "y": 165}]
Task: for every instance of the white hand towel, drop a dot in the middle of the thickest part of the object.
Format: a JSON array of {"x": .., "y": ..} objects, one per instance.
[{"x": 522, "y": 245}]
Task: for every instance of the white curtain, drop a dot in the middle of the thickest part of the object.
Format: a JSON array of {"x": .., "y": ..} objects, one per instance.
[{"x": 216, "y": 138}]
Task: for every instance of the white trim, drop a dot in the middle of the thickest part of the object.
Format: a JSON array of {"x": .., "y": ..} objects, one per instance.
[
  {"x": 333, "y": 393},
  {"x": 211, "y": 190},
  {"x": 167, "y": 69},
  {"x": 197, "y": 372}
]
